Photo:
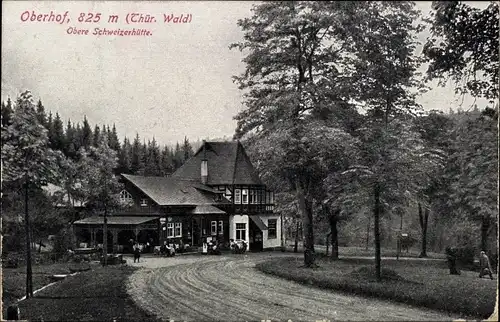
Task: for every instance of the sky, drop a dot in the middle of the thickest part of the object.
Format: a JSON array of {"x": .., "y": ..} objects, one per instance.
[{"x": 175, "y": 83}]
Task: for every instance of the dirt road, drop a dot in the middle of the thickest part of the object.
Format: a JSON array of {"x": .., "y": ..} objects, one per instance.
[{"x": 230, "y": 288}]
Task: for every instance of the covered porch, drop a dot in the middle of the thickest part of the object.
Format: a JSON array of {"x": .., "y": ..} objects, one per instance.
[
  {"x": 123, "y": 232},
  {"x": 199, "y": 224}
]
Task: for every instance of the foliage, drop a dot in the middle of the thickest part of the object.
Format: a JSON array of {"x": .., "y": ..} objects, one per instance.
[
  {"x": 464, "y": 46},
  {"x": 100, "y": 185},
  {"x": 25, "y": 151},
  {"x": 294, "y": 62},
  {"x": 63, "y": 241}
]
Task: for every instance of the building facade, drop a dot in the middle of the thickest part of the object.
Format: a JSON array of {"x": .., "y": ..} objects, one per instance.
[{"x": 216, "y": 194}]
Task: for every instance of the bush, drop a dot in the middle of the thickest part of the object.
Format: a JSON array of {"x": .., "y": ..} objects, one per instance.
[
  {"x": 465, "y": 255},
  {"x": 62, "y": 242}
]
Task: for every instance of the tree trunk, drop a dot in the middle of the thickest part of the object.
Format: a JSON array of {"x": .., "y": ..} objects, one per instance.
[
  {"x": 376, "y": 218},
  {"x": 296, "y": 246},
  {"x": 105, "y": 238},
  {"x": 327, "y": 244},
  {"x": 335, "y": 236},
  {"x": 485, "y": 225},
  {"x": 29, "y": 271},
  {"x": 424, "y": 217},
  {"x": 368, "y": 231},
  {"x": 305, "y": 206}
]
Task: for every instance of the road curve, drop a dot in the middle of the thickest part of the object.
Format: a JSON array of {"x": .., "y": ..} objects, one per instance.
[{"x": 230, "y": 288}]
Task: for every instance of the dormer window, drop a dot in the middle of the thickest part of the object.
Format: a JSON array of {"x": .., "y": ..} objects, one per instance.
[
  {"x": 125, "y": 197},
  {"x": 144, "y": 202}
]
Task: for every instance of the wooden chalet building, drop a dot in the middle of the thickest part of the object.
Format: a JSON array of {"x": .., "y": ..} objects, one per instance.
[{"x": 216, "y": 194}]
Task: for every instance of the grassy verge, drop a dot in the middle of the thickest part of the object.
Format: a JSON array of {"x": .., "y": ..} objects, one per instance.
[
  {"x": 420, "y": 283},
  {"x": 14, "y": 280},
  {"x": 96, "y": 295}
]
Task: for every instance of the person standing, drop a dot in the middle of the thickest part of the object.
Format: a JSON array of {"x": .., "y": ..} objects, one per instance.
[
  {"x": 137, "y": 253},
  {"x": 484, "y": 265}
]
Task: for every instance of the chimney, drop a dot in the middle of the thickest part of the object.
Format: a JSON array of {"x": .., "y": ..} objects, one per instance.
[{"x": 204, "y": 165}]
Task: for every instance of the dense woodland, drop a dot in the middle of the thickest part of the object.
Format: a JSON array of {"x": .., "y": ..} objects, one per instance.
[
  {"x": 135, "y": 156},
  {"x": 331, "y": 122}
]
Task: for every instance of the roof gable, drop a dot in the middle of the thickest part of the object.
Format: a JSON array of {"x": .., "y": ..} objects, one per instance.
[{"x": 227, "y": 164}]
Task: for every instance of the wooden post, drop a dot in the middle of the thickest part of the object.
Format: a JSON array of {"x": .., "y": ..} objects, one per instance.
[
  {"x": 115, "y": 240},
  {"x": 136, "y": 233},
  {"x": 29, "y": 272},
  {"x": 105, "y": 238}
]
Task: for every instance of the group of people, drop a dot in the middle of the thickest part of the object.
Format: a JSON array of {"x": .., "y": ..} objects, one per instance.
[{"x": 166, "y": 249}]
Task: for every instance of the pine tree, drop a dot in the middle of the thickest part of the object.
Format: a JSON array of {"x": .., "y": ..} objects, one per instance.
[
  {"x": 56, "y": 134},
  {"x": 97, "y": 133},
  {"x": 78, "y": 137},
  {"x": 187, "y": 150},
  {"x": 144, "y": 159},
  {"x": 86, "y": 133},
  {"x": 50, "y": 125},
  {"x": 40, "y": 113},
  {"x": 7, "y": 112},
  {"x": 125, "y": 157},
  {"x": 70, "y": 148},
  {"x": 114, "y": 142},
  {"x": 166, "y": 163},
  {"x": 137, "y": 165},
  {"x": 153, "y": 159},
  {"x": 178, "y": 156}
]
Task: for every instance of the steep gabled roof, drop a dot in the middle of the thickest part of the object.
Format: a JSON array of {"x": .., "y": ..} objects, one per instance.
[
  {"x": 168, "y": 191},
  {"x": 227, "y": 164}
]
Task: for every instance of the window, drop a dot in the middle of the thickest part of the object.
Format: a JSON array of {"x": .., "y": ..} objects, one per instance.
[
  {"x": 125, "y": 197},
  {"x": 259, "y": 196},
  {"x": 253, "y": 196},
  {"x": 144, "y": 202},
  {"x": 221, "y": 227},
  {"x": 271, "y": 228},
  {"x": 178, "y": 229},
  {"x": 241, "y": 231},
  {"x": 170, "y": 230},
  {"x": 271, "y": 197},
  {"x": 244, "y": 195},
  {"x": 237, "y": 196},
  {"x": 213, "y": 227}
]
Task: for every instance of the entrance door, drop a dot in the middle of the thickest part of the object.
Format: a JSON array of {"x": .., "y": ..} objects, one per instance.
[
  {"x": 196, "y": 232},
  {"x": 256, "y": 243}
]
